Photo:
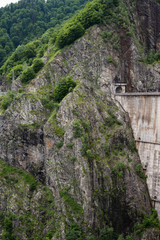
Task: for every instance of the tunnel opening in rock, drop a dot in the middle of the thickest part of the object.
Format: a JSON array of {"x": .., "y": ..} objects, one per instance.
[{"x": 119, "y": 89}]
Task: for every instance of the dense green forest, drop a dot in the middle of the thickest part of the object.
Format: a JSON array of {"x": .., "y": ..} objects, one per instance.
[
  {"x": 26, "y": 59},
  {"x": 29, "y": 19}
]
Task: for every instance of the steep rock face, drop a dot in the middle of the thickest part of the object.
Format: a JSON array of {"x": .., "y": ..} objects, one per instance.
[
  {"x": 26, "y": 207},
  {"x": 84, "y": 151},
  {"x": 92, "y": 165},
  {"x": 88, "y": 158},
  {"x": 151, "y": 234},
  {"x": 149, "y": 15},
  {"x": 21, "y": 141}
]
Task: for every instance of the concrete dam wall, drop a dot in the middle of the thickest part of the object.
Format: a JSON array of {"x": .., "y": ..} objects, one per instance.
[{"x": 144, "y": 113}]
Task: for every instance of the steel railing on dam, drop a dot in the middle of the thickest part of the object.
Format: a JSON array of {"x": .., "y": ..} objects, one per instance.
[{"x": 143, "y": 109}]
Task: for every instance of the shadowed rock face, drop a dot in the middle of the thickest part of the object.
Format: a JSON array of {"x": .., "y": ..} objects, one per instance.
[
  {"x": 149, "y": 14},
  {"x": 91, "y": 167}
]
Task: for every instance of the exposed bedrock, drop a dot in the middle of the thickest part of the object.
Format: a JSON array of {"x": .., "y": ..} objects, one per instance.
[{"x": 84, "y": 151}]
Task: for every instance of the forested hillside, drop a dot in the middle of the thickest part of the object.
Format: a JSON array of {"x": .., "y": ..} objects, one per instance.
[
  {"x": 26, "y": 60},
  {"x": 29, "y": 19}
]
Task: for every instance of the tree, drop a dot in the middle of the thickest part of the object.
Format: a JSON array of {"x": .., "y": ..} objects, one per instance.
[
  {"x": 65, "y": 85},
  {"x": 29, "y": 19},
  {"x": 27, "y": 75},
  {"x": 69, "y": 34},
  {"x": 37, "y": 64}
]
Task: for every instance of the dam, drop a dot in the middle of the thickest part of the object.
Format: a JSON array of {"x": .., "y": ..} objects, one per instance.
[{"x": 144, "y": 113}]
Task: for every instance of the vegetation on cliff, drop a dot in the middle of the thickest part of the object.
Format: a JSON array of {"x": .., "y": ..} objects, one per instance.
[
  {"x": 71, "y": 135},
  {"x": 22, "y": 60},
  {"x": 26, "y": 206},
  {"x": 27, "y": 20},
  {"x": 97, "y": 12}
]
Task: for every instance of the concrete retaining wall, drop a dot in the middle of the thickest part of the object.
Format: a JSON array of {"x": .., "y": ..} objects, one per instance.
[{"x": 144, "y": 113}]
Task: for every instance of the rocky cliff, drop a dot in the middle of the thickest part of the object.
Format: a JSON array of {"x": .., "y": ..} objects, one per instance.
[
  {"x": 148, "y": 14},
  {"x": 82, "y": 147}
]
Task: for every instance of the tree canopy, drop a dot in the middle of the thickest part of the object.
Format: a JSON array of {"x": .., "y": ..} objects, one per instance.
[
  {"x": 28, "y": 19},
  {"x": 26, "y": 59}
]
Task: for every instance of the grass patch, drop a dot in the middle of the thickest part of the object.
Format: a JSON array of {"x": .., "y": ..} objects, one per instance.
[
  {"x": 29, "y": 126},
  {"x": 14, "y": 175},
  {"x": 54, "y": 125},
  {"x": 70, "y": 202}
]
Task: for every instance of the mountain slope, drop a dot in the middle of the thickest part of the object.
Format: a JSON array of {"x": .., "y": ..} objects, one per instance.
[
  {"x": 84, "y": 151},
  {"x": 28, "y": 20},
  {"x": 80, "y": 144}
]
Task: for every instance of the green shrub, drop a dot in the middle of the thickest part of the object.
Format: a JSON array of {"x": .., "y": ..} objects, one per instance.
[
  {"x": 76, "y": 209},
  {"x": 84, "y": 149},
  {"x": 107, "y": 234},
  {"x": 91, "y": 237},
  {"x": 54, "y": 125},
  {"x": 70, "y": 145},
  {"x": 90, "y": 15},
  {"x": 31, "y": 181},
  {"x": 120, "y": 237},
  {"x": 8, "y": 233},
  {"x": 59, "y": 144},
  {"x": 152, "y": 57},
  {"x": 73, "y": 159},
  {"x": 8, "y": 236},
  {"x": 77, "y": 129},
  {"x": 109, "y": 59},
  {"x": 7, "y": 99},
  {"x": 65, "y": 85},
  {"x": 30, "y": 49},
  {"x": 33, "y": 186},
  {"x": 139, "y": 171},
  {"x": 89, "y": 154},
  {"x": 149, "y": 221},
  {"x": 48, "y": 102},
  {"x": 133, "y": 146},
  {"x": 8, "y": 224},
  {"x": 29, "y": 126},
  {"x": 37, "y": 64},
  {"x": 112, "y": 119},
  {"x": 75, "y": 27},
  {"x": 107, "y": 35},
  {"x": 69, "y": 34},
  {"x": 119, "y": 169},
  {"x": 129, "y": 159},
  {"x": 23, "y": 54},
  {"x": 21, "y": 90},
  {"x": 74, "y": 232},
  {"x": 106, "y": 149},
  {"x": 47, "y": 98},
  {"x": 15, "y": 72},
  {"x": 129, "y": 238},
  {"x": 27, "y": 75}
]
